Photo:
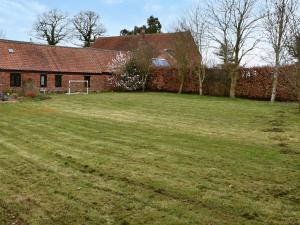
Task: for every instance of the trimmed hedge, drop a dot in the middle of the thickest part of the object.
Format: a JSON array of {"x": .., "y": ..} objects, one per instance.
[
  {"x": 253, "y": 83},
  {"x": 256, "y": 83}
]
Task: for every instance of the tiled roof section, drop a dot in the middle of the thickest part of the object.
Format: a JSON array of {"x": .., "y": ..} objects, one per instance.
[
  {"x": 161, "y": 43},
  {"x": 34, "y": 57}
]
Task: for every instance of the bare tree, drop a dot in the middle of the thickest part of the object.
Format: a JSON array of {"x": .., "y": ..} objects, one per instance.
[
  {"x": 51, "y": 26},
  {"x": 220, "y": 19},
  {"x": 186, "y": 59},
  {"x": 195, "y": 21},
  {"x": 297, "y": 44},
  {"x": 234, "y": 24},
  {"x": 143, "y": 57},
  {"x": 276, "y": 25},
  {"x": 88, "y": 27},
  {"x": 294, "y": 48}
]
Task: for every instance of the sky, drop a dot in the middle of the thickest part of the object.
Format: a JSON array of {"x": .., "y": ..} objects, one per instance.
[{"x": 17, "y": 16}]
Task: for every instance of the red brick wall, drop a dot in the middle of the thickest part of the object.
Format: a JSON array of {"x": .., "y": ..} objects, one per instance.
[{"x": 99, "y": 83}]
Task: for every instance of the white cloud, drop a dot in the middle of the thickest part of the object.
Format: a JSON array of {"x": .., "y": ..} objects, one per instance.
[
  {"x": 22, "y": 8},
  {"x": 17, "y": 16}
]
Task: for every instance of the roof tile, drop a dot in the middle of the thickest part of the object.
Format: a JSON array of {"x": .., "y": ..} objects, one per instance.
[
  {"x": 36, "y": 57},
  {"x": 161, "y": 43}
]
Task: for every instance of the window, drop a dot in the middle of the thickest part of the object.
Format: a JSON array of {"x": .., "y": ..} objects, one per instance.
[
  {"x": 87, "y": 78},
  {"x": 58, "y": 79},
  {"x": 160, "y": 62},
  {"x": 15, "y": 80},
  {"x": 43, "y": 80}
]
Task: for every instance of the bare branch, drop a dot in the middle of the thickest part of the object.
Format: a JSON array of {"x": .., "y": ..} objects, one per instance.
[
  {"x": 51, "y": 26},
  {"x": 143, "y": 58},
  {"x": 234, "y": 24},
  {"x": 87, "y": 27},
  {"x": 195, "y": 21},
  {"x": 277, "y": 21}
]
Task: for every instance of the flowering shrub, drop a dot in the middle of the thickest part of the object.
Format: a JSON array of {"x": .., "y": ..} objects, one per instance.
[
  {"x": 126, "y": 76},
  {"x": 118, "y": 64}
]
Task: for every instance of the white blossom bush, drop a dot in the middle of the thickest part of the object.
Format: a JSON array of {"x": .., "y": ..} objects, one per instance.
[
  {"x": 125, "y": 74},
  {"x": 118, "y": 64},
  {"x": 128, "y": 82}
]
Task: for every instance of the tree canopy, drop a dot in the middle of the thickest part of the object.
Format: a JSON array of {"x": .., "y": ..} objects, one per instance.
[
  {"x": 88, "y": 27},
  {"x": 51, "y": 26},
  {"x": 153, "y": 27}
]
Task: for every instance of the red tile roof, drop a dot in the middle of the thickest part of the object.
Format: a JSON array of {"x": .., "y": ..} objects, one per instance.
[
  {"x": 35, "y": 57},
  {"x": 161, "y": 43}
]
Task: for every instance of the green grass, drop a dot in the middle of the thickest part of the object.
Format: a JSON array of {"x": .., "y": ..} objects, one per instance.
[{"x": 154, "y": 158}]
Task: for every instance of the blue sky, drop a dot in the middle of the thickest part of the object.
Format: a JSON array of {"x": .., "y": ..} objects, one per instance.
[{"x": 17, "y": 16}]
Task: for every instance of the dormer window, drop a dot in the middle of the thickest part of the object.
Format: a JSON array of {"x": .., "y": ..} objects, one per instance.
[{"x": 11, "y": 51}]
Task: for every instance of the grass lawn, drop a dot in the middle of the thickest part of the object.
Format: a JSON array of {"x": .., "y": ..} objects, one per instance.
[{"x": 154, "y": 158}]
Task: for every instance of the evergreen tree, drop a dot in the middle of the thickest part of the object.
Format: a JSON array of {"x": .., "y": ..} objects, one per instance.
[{"x": 153, "y": 27}]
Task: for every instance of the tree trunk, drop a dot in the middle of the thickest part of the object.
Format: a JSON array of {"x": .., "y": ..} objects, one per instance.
[
  {"x": 181, "y": 83},
  {"x": 144, "y": 82},
  {"x": 275, "y": 84},
  {"x": 275, "y": 77},
  {"x": 200, "y": 86},
  {"x": 298, "y": 84},
  {"x": 201, "y": 76},
  {"x": 234, "y": 76}
]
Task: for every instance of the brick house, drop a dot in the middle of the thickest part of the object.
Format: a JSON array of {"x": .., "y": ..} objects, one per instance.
[
  {"x": 51, "y": 67},
  {"x": 163, "y": 45}
]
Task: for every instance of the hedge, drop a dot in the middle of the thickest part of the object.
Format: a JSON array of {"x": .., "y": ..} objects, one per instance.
[{"x": 253, "y": 83}]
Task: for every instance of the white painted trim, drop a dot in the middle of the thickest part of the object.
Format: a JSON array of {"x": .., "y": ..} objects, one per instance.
[{"x": 79, "y": 81}]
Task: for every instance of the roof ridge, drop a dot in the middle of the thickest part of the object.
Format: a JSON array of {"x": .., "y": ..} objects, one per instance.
[{"x": 57, "y": 46}]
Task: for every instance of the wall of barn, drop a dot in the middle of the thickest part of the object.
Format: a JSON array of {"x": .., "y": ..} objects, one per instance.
[{"x": 99, "y": 83}]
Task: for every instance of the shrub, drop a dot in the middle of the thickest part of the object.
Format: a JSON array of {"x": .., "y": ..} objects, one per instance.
[
  {"x": 129, "y": 79},
  {"x": 29, "y": 89},
  {"x": 9, "y": 91},
  {"x": 4, "y": 97}
]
